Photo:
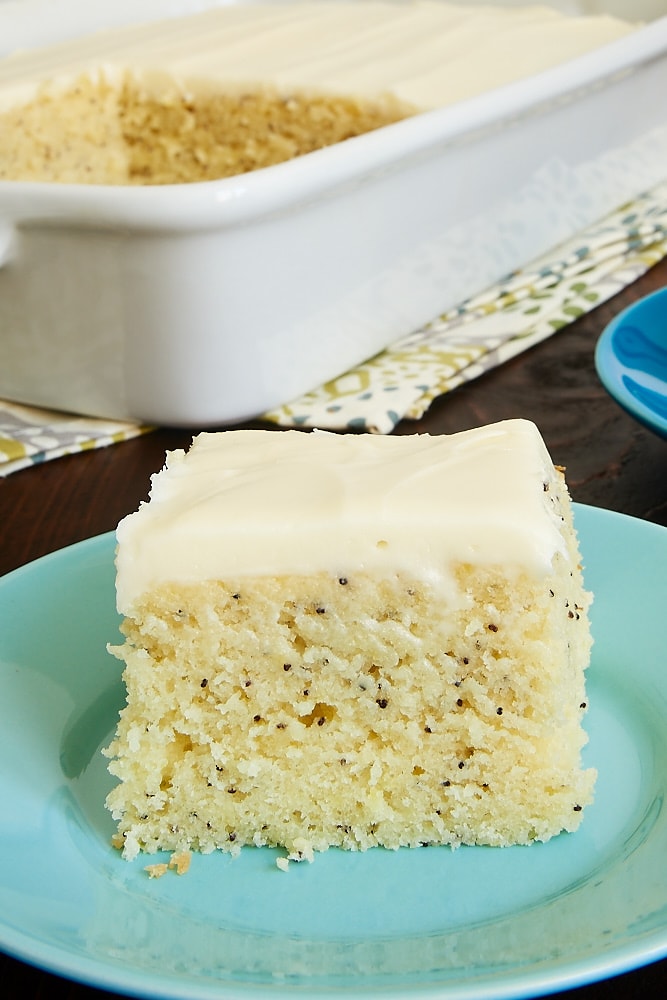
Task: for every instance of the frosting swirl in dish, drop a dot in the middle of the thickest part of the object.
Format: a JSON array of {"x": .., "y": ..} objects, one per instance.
[{"x": 424, "y": 54}]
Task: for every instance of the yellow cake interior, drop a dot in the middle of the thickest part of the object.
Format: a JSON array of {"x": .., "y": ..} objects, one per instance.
[{"x": 101, "y": 132}]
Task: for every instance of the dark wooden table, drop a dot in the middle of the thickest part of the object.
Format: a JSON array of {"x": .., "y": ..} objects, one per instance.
[{"x": 611, "y": 462}]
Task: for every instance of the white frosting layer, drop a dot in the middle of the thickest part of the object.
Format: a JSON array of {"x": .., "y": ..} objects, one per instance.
[
  {"x": 246, "y": 503},
  {"x": 427, "y": 54}
]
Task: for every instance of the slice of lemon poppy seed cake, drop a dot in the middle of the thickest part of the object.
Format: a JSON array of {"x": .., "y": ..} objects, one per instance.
[{"x": 351, "y": 640}]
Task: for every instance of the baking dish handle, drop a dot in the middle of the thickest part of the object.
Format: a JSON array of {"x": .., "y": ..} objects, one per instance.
[{"x": 6, "y": 242}]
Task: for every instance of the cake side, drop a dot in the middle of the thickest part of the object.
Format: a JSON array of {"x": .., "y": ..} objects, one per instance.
[
  {"x": 108, "y": 128},
  {"x": 355, "y": 707},
  {"x": 350, "y": 724}
]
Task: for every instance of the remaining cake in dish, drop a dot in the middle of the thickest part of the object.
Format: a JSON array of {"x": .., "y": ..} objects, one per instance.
[
  {"x": 351, "y": 640},
  {"x": 245, "y": 86}
]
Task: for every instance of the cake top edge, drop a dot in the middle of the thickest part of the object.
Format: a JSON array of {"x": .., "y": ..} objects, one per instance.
[{"x": 261, "y": 502}]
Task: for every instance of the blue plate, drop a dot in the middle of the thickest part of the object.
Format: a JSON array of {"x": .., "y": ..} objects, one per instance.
[
  {"x": 472, "y": 923},
  {"x": 631, "y": 360}
]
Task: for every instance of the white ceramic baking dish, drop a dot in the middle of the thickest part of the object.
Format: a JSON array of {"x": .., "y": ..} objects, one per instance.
[{"x": 210, "y": 303}]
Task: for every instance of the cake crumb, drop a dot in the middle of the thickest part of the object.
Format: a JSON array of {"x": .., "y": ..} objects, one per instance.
[
  {"x": 118, "y": 841},
  {"x": 283, "y": 864},
  {"x": 181, "y": 862},
  {"x": 156, "y": 871},
  {"x": 302, "y": 850}
]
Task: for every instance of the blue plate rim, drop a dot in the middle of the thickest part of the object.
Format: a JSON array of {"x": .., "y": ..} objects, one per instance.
[{"x": 606, "y": 362}]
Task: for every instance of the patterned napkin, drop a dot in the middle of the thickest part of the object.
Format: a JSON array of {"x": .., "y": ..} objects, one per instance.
[
  {"x": 403, "y": 380},
  {"x": 29, "y": 435},
  {"x": 529, "y": 306}
]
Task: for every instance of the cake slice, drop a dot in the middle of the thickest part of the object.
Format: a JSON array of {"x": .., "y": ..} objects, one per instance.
[{"x": 351, "y": 640}]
